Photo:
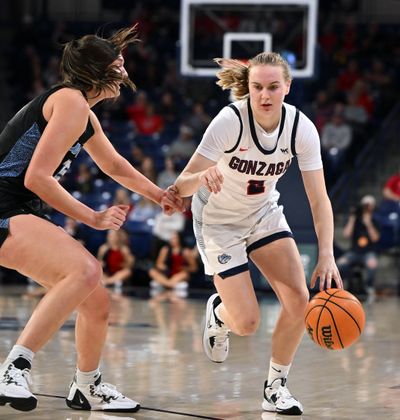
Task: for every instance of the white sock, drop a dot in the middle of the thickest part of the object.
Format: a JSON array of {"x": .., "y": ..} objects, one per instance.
[
  {"x": 217, "y": 312},
  {"x": 20, "y": 351},
  {"x": 277, "y": 371},
  {"x": 86, "y": 378}
]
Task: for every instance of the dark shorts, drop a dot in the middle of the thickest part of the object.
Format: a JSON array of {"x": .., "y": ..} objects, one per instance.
[{"x": 5, "y": 219}]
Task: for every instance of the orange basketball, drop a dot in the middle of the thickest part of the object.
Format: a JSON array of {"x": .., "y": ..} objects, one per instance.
[{"x": 334, "y": 319}]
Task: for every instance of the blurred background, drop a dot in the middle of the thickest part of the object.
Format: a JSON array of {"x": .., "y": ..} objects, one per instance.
[{"x": 345, "y": 57}]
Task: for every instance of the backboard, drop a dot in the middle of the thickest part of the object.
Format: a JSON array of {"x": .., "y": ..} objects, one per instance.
[{"x": 241, "y": 29}]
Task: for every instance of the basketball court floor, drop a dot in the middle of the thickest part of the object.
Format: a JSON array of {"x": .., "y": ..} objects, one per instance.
[{"x": 154, "y": 353}]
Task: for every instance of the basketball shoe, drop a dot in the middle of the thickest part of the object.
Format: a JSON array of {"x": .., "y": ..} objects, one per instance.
[
  {"x": 99, "y": 396},
  {"x": 14, "y": 385},
  {"x": 277, "y": 398},
  {"x": 215, "y": 334}
]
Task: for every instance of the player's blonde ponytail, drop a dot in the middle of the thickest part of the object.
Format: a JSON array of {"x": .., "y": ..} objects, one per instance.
[{"x": 234, "y": 74}]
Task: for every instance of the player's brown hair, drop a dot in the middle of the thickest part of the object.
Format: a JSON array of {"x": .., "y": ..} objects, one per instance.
[
  {"x": 234, "y": 74},
  {"x": 86, "y": 62}
]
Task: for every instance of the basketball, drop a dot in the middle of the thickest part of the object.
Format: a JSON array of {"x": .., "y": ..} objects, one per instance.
[{"x": 334, "y": 319}]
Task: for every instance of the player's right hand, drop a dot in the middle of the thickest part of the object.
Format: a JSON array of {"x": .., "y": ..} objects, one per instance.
[
  {"x": 212, "y": 179},
  {"x": 112, "y": 218}
]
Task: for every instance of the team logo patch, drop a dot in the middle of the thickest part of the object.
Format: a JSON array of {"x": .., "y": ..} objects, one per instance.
[{"x": 224, "y": 258}]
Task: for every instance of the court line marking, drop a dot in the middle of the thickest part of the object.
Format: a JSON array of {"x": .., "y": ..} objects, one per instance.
[{"x": 178, "y": 413}]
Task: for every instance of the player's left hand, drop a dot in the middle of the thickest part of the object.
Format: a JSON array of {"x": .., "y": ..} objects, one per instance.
[
  {"x": 171, "y": 201},
  {"x": 327, "y": 272}
]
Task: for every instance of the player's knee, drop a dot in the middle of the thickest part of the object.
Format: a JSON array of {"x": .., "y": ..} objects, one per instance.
[
  {"x": 97, "y": 305},
  {"x": 247, "y": 326},
  {"x": 297, "y": 304},
  {"x": 91, "y": 273}
]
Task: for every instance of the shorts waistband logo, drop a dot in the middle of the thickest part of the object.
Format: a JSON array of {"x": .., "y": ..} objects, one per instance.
[{"x": 224, "y": 258}]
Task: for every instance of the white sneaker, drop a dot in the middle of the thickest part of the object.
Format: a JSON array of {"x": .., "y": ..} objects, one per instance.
[
  {"x": 99, "y": 396},
  {"x": 277, "y": 398},
  {"x": 215, "y": 334},
  {"x": 14, "y": 386}
]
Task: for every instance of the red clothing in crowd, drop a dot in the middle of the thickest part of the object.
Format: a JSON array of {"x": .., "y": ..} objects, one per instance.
[
  {"x": 114, "y": 260},
  {"x": 393, "y": 183}
]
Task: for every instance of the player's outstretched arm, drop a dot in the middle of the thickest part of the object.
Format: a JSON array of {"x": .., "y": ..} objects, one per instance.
[
  {"x": 199, "y": 171},
  {"x": 118, "y": 168},
  {"x": 326, "y": 269}
]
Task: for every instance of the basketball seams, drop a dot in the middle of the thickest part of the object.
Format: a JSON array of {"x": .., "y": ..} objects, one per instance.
[
  {"x": 334, "y": 303},
  {"x": 308, "y": 313},
  {"x": 353, "y": 298},
  {"x": 337, "y": 297},
  {"x": 321, "y": 302},
  {"x": 336, "y": 328},
  {"x": 341, "y": 297},
  {"x": 319, "y": 317}
]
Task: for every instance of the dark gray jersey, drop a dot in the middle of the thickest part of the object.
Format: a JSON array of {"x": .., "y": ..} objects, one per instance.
[{"x": 18, "y": 142}]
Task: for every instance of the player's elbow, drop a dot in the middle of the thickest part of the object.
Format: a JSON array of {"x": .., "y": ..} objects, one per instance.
[
  {"x": 34, "y": 182},
  {"x": 30, "y": 182}
]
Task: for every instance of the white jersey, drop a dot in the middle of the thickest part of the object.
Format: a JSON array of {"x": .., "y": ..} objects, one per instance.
[{"x": 251, "y": 162}]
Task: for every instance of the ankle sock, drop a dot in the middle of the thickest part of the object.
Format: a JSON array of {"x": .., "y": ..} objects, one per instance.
[
  {"x": 216, "y": 308},
  {"x": 19, "y": 352},
  {"x": 86, "y": 378},
  {"x": 277, "y": 371}
]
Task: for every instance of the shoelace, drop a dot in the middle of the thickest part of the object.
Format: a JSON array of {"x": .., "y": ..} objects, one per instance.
[
  {"x": 220, "y": 335},
  {"x": 108, "y": 390},
  {"x": 284, "y": 393},
  {"x": 18, "y": 376}
]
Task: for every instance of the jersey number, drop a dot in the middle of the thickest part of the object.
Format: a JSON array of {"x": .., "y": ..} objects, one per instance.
[{"x": 255, "y": 187}]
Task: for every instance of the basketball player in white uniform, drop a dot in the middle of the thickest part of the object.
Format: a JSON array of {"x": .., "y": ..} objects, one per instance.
[{"x": 233, "y": 175}]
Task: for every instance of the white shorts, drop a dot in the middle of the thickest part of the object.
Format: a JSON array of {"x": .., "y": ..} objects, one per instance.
[{"x": 224, "y": 248}]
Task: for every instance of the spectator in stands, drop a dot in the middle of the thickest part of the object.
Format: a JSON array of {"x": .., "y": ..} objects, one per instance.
[
  {"x": 198, "y": 120},
  {"x": 54, "y": 127},
  {"x": 73, "y": 228},
  {"x": 84, "y": 179},
  {"x": 51, "y": 75},
  {"x": 136, "y": 156},
  {"x": 336, "y": 137},
  {"x": 148, "y": 168},
  {"x": 321, "y": 109},
  {"x": 364, "y": 97},
  {"x": 168, "y": 176},
  {"x": 184, "y": 146},
  {"x": 137, "y": 110},
  {"x": 144, "y": 210},
  {"x": 390, "y": 205},
  {"x": 173, "y": 266},
  {"x": 354, "y": 113},
  {"x": 349, "y": 76},
  {"x": 150, "y": 122},
  {"x": 391, "y": 189},
  {"x": 169, "y": 110},
  {"x": 363, "y": 230},
  {"x": 116, "y": 258},
  {"x": 122, "y": 197},
  {"x": 164, "y": 227}
]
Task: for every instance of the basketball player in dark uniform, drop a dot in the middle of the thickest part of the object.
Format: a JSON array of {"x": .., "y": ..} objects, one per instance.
[{"x": 37, "y": 147}]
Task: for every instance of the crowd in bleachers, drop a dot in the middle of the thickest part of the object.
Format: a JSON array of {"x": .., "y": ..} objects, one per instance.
[{"x": 158, "y": 128}]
